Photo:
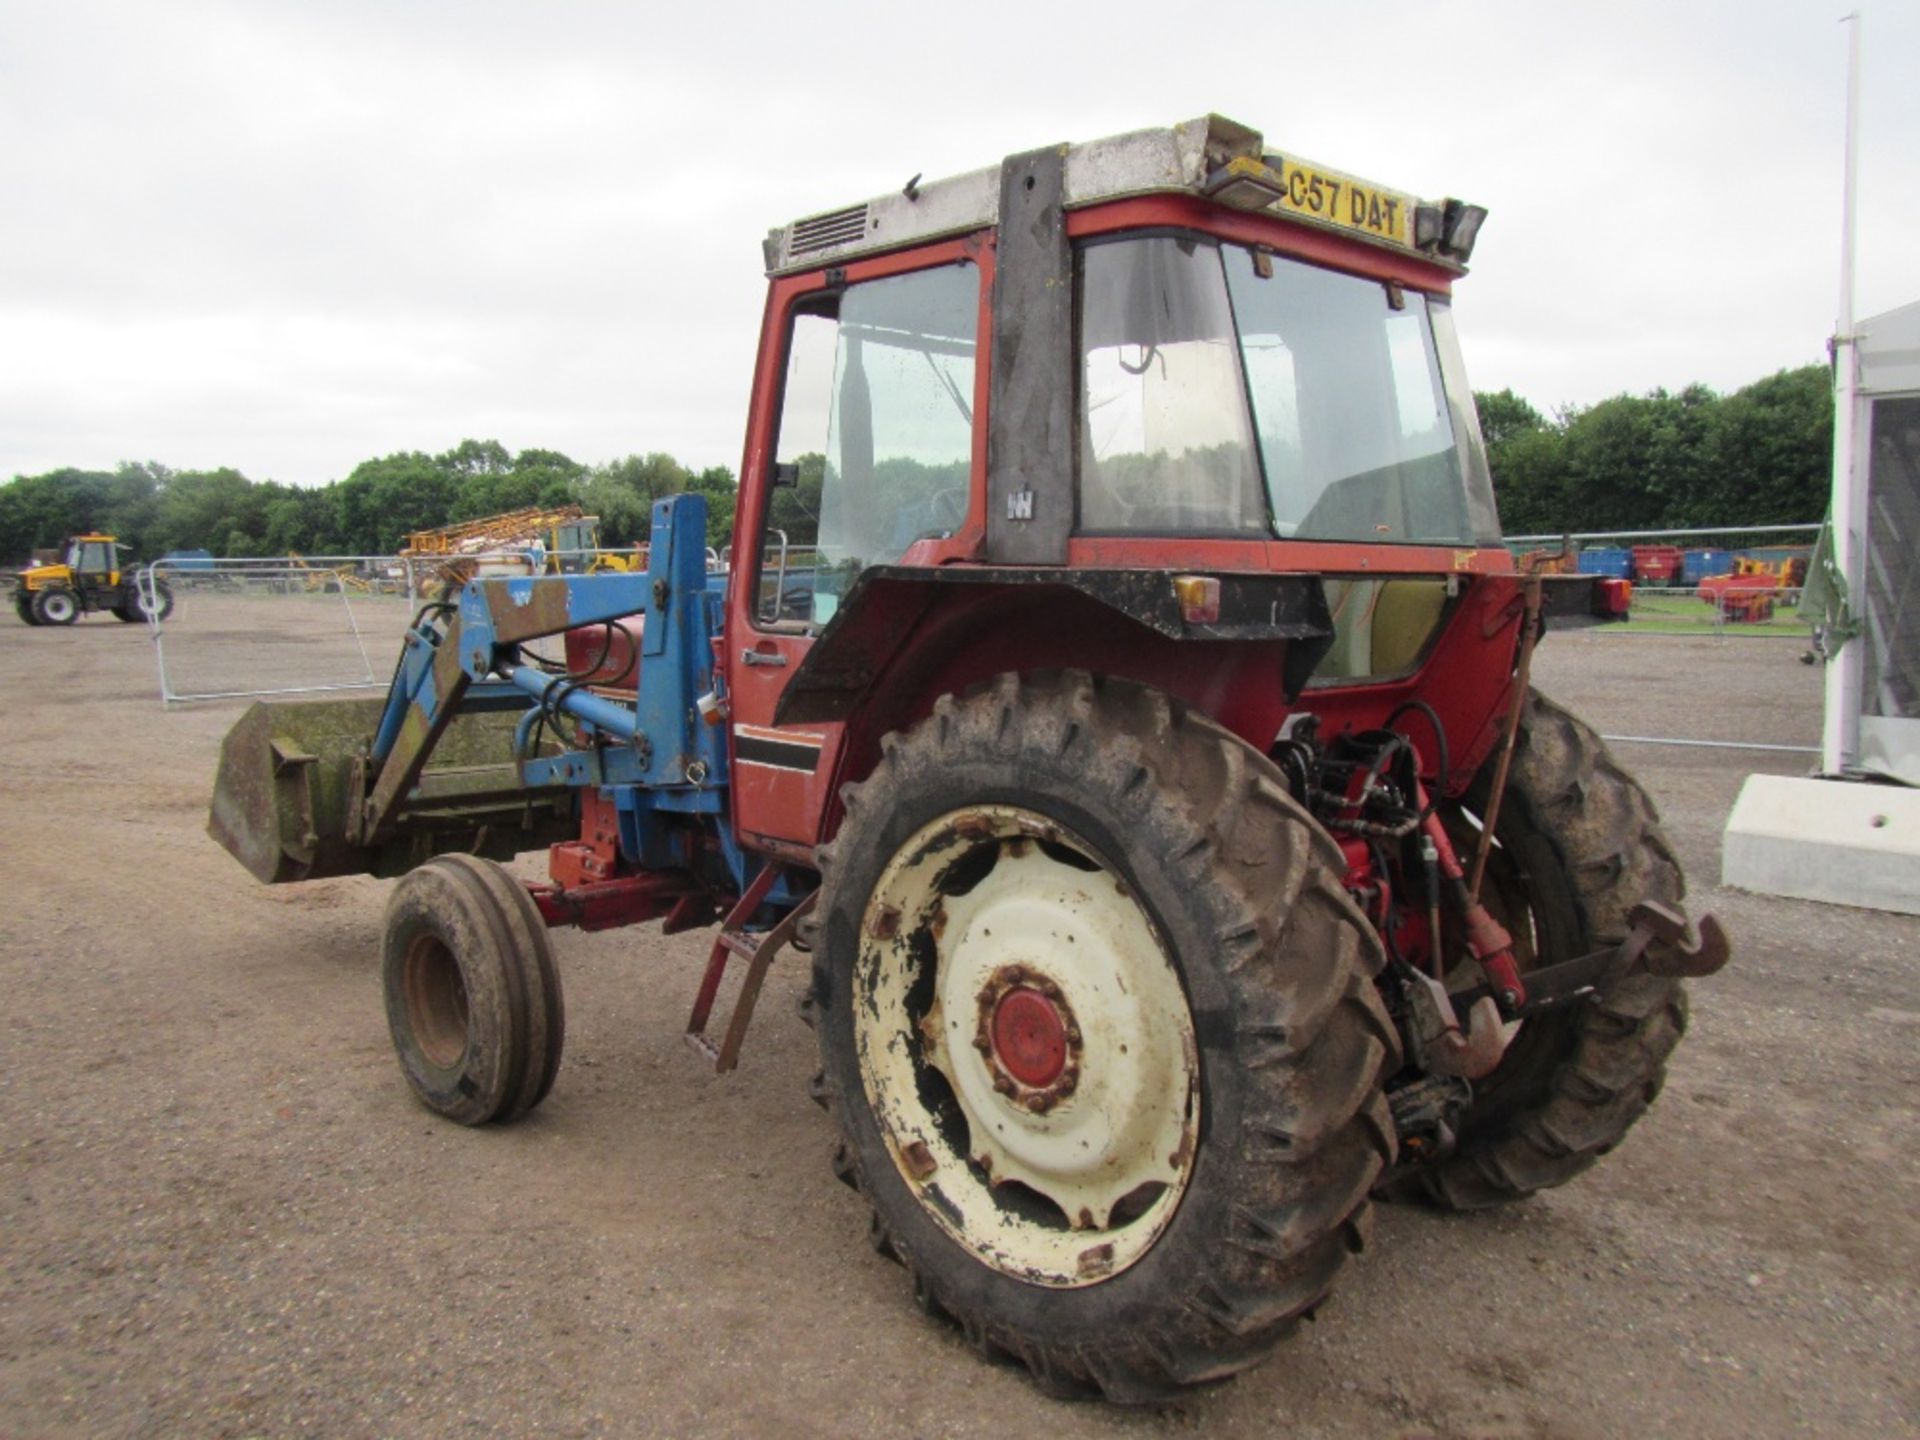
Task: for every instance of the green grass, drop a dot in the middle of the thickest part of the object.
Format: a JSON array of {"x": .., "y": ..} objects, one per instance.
[{"x": 1658, "y": 613}]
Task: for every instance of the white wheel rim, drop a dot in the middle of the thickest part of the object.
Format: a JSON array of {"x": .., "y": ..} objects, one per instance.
[
  {"x": 1040, "y": 1089},
  {"x": 59, "y": 606}
]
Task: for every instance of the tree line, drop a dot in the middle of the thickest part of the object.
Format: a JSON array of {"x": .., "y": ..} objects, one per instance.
[
  {"x": 1762, "y": 455},
  {"x": 154, "y": 509},
  {"x": 1758, "y": 456}
]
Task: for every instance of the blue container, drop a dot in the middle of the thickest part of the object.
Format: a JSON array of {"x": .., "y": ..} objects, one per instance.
[
  {"x": 1607, "y": 560},
  {"x": 1697, "y": 565}
]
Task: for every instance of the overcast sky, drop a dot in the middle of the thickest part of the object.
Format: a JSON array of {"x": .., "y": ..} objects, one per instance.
[{"x": 290, "y": 237}]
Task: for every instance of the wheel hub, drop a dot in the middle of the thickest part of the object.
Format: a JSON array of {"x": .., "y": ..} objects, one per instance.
[
  {"x": 436, "y": 998},
  {"x": 1029, "y": 1037}
]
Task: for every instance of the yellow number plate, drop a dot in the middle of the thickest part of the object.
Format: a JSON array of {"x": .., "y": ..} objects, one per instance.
[{"x": 1341, "y": 200}]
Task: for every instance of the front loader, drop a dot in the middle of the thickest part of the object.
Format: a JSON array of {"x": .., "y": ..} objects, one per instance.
[{"x": 1119, "y": 697}]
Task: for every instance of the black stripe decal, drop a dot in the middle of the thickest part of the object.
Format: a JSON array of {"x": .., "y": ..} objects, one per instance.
[{"x": 781, "y": 754}]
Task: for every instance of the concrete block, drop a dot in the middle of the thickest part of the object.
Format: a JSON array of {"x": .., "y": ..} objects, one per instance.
[{"x": 1845, "y": 842}]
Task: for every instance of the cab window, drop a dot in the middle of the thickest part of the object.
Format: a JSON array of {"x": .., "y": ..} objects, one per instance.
[
  {"x": 1350, "y": 404},
  {"x": 573, "y": 543},
  {"x": 875, "y": 446},
  {"x": 1166, "y": 447}
]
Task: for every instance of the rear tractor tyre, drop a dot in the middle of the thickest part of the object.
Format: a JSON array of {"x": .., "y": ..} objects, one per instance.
[
  {"x": 157, "y": 606},
  {"x": 56, "y": 607},
  {"x": 1098, "y": 1025},
  {"x": 1578, "y": 844},
  {"x": 472, "y": 993}
]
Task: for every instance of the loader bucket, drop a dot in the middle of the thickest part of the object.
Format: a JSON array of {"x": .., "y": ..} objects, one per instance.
[{"x": 290, "y": 777}]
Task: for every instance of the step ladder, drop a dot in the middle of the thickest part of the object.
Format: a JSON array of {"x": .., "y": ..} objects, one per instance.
[{"x": 758, "y": 951}]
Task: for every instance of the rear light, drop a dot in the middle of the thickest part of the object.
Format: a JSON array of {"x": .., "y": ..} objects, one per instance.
[
  {"x": 1199, "y": 597},
  {"x": 1615, "y": 596}
]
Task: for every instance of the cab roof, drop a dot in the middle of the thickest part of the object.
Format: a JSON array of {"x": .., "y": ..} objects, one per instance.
[{"x": 1210, "y": 157}]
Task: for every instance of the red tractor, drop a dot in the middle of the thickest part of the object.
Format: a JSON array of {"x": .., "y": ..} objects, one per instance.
[{"x": 1119, "y": 695}]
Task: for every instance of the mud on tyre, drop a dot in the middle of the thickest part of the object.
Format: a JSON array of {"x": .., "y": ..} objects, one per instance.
[
  {"x": 1100, "y": 816},
  {"x": 1579, "y": 844}
]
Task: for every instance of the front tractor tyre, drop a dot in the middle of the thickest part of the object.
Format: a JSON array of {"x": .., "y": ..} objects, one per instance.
[
  {"x": 55, "y": 607},
  {"x": 1578, "y": 844},
  {"x": 1098, "y": 1025},
  {"x": 473, "y": 996},
  {"x": 23, "y": 607}
]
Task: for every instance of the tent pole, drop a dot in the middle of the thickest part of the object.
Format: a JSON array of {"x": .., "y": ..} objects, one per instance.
[{"x": 1840, "y": 734}]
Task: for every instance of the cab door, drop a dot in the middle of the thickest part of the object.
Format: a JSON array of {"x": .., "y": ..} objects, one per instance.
[
  {"x": 862, "y": 444},
  {"x": 95, "y": 564}
]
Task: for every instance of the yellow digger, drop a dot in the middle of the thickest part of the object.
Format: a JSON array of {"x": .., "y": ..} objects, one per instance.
[{"x": 89, "y": 578}]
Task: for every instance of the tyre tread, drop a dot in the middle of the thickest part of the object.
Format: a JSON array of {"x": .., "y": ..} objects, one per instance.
[
  {"x": 1606, "y": 831},
  {"x": 468, "y": 892},
  {"x": 1297, "y": 960}
]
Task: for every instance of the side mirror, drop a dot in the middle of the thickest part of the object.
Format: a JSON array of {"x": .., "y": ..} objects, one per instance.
[{"x": 788, "y": 474}]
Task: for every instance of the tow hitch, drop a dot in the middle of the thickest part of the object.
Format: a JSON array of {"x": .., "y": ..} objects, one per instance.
[{"x": 1660, "y": 942}]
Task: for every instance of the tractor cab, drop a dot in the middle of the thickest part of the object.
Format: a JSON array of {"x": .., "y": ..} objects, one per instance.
[
  {"x": 1232, "y": 373},
  {"x": 573, "y": 543},
  {"x": 91, "y": 560},
  {"x": 1173, "y": 379},
  {"x": 95, "y": 559}
]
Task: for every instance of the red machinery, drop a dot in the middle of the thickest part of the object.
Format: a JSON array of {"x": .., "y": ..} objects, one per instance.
[
  {"x": 1656, "y": 564},
  {"x": 1747, "y": 594},
  {"x": 1120, "y": 696}
]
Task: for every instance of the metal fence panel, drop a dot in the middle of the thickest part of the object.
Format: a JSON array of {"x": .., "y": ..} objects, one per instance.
[
  {"x": 253, "y": 629},
  {"x": 312, "y": 624},
  {"x": 1683, "y": 611},
  {"x": 1722, "y": 537}
]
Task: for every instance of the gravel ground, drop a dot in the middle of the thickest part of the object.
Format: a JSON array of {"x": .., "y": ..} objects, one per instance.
[{"x": 223, "y": 1214}]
